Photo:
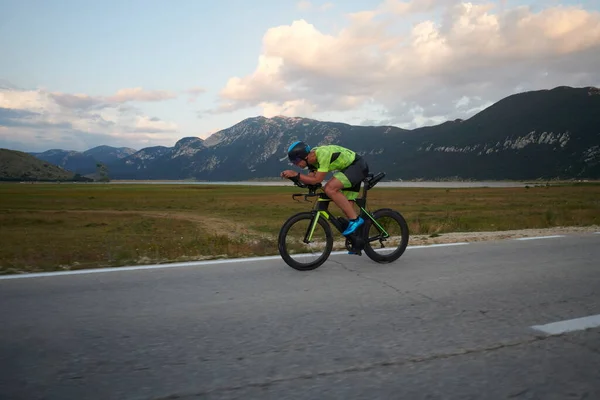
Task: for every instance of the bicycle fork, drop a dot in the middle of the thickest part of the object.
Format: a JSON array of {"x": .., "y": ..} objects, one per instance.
[{"x": 313, "y": 225}]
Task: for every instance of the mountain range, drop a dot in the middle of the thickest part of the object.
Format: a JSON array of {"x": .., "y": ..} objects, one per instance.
[
  {"x": 84, "y": 163},
  {"x": 541, "y": 134}
]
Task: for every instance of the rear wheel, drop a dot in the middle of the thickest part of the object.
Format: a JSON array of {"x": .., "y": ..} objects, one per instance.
[
  {"x": 299, "y": 253},
  {"x": 384, "y": 248}
]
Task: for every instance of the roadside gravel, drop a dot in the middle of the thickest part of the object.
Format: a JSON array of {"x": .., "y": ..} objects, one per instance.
[{"x": 485, "y": 236}]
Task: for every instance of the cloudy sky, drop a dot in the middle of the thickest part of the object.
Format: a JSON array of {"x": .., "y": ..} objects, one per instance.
[{"x": 76, "y": 74}]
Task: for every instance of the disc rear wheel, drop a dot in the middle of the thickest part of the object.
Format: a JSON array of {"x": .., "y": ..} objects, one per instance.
[{"x": 388, "y": 241}]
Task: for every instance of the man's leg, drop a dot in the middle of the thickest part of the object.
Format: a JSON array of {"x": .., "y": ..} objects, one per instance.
[
  {"x": 335, "y": 194},
  {"x": 333, "y": 189}
]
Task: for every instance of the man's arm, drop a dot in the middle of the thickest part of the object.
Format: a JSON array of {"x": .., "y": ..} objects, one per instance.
[{"x": 313, "y": 177}]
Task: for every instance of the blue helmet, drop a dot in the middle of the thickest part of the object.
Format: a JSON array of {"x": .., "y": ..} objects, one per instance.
[{"x": 298, "y": 151}]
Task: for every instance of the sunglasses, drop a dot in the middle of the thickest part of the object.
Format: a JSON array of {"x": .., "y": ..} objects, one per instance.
[{"x": 297, "y": 161}]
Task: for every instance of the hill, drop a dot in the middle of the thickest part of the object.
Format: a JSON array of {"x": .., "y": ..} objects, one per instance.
[{"x": 19, "y": 166}]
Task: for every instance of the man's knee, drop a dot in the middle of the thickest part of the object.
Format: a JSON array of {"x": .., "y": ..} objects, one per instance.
[
  {"x": 333, "y": 187},
  {"x": 329, "y": 190}
]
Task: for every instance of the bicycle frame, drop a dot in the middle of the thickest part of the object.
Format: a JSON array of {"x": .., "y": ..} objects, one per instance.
[{"x": 320, "y": 209}]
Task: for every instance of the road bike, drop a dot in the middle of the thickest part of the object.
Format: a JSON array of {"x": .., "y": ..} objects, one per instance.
[{"x": 305, "y": 240}]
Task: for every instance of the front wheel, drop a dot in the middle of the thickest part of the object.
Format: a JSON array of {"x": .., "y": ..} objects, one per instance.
[
  {"x": 302, "y": 247},
  {"x": 387, "y": 242}
]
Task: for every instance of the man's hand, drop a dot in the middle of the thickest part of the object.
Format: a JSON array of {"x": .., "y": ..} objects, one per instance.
[{"x": 288, "y": 173}]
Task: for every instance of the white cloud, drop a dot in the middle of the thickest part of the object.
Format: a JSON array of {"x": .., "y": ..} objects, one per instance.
[
  {"x": 194, "y": 92},
  {"x": 304, "y": 5},
  {"x": 41, "y": 99},
  {"x": 37, "y": 101},
  {"x": 139, "y": 94},
  {"x": 266, "y": 80},
  {"x": 37, "y": 119},
  {"x": 474, "y": 51},
  {"x": 415, "y": 6},
  {"x": 291, "y": 108},
  {"x": 81, "y": 101},
  {"x": 154, "y": 125}
]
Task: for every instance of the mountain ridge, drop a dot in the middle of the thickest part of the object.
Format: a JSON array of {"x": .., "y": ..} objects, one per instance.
[{"x": 544, "y": 134}]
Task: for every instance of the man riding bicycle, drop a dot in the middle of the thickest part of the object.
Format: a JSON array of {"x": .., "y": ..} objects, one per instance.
[{"x": 349, "y": 171}]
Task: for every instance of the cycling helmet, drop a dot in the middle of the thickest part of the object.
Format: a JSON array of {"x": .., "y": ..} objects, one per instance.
[{"x": 298, "y": 151}]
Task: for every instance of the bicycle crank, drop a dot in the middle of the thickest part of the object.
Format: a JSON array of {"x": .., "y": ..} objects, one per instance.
[{"x": 355, "y": 244}]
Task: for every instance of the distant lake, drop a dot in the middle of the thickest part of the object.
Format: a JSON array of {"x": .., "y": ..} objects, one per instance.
[{"x": 395, "y": 184}]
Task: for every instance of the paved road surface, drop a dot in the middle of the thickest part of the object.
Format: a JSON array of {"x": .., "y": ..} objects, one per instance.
[{"x": 441, "y": 323}]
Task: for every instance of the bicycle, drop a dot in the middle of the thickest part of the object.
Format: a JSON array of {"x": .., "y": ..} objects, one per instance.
[{"x": 305, "y": 240}]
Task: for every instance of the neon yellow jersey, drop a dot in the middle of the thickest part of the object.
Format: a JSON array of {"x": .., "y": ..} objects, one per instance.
[{"x": 333, "y": 158}]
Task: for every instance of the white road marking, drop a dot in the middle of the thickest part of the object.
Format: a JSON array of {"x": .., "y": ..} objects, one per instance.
[
  {"x": 137, "y": 267},
  {"x": 577, "y": 324},
  {"x": 436, "y": 245},
  {"x": 185, "y": 264},
  {"x": 541, "y": 237}
]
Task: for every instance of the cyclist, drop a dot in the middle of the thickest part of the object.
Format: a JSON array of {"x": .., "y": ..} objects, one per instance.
[{"x": 349, "y": 171}]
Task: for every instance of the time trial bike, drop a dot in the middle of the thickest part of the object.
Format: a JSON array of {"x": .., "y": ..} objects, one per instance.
[{"x": 305, "y": 240}]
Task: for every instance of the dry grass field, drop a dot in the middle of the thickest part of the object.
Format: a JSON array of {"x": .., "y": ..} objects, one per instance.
[{"x": 48, "y": 227}]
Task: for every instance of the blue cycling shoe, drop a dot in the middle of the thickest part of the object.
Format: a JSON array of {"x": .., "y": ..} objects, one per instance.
[{"x": 353, "y": 226}]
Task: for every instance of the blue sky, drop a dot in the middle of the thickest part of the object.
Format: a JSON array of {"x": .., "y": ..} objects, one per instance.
[{"x": 76, "y": 74}]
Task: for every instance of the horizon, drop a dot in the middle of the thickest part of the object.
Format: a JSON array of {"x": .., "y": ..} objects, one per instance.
[{"x": 80, "y": 75}]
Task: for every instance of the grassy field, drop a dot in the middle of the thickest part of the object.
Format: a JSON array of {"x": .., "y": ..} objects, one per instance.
[{"x": 47, "y": 227}]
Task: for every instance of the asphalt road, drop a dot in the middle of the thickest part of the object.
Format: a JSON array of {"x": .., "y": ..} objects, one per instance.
[{"x": 450, "y": 322}]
